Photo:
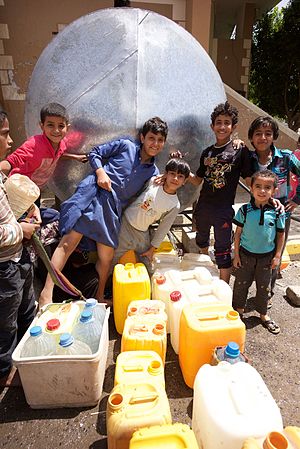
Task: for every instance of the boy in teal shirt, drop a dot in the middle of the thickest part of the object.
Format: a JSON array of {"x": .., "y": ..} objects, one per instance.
[{"x": 258, "y": 243}]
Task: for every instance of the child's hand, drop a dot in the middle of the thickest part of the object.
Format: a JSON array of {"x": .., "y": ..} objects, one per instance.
[
  {"x": 290, "y": 206},
  {"x": 103, "y": 180},
  {"x": 278, "y": 205},
  {"x": 237, "y": 143},
  {"x": 149, "y": 253},
  {"x": 28, "y": 229},
  {"x": 275, "y": 262},
  {"x": 82, "y": 158},
  {"x": 159, "y": 180},
  {"x": 33, "y": 215},
  {"x": 237, "y": 261}
]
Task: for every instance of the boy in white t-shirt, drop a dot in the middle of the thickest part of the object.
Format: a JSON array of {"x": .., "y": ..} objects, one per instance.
[{"x": 156, "y": 202}]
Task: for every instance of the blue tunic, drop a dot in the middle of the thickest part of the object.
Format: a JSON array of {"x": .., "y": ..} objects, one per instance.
[{"x": 95, "y": 212}]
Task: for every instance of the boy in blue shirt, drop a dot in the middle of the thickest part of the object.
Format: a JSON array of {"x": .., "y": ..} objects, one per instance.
[
  {"x": 258, "y": 243},
  {"x": 121, "y": 168}
]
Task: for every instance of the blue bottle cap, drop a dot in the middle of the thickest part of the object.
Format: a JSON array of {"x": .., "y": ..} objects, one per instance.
[
  {"x": 232, "y": 350},
  {"x": 35, "y": 331},
  {"x": 86, "y": 315},
  {"x": 66, "y": 340},
  {"x": 91, "y": 302}
]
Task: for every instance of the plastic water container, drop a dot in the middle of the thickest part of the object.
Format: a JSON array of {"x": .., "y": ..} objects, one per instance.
[
  {"x": 167, "y": 436},
  {"x": 21, "y": 192},
  {"x": 232, "y": 403},
  {"x": 98, "y": 312},
  {"x": 88, "y": 330},
  {"x": 176, "y": 304},
  {"x": 143, "y": 335},
  {"x": 148, "y": 308},
  {"x": 69, "y": 346},
  {"x": 38, "y": 344},
  {"x": 133, "y": 367},
  {"x": 192, "y": 260},
  {"x": 131, "y": 407},
  {"x": 65, "y": 316},
  {"x": 229, "y": 353},
  {"x": 289, "y": 438},
  {"x": 202, "y": 328},
  {"x": 129, "y": 282}
]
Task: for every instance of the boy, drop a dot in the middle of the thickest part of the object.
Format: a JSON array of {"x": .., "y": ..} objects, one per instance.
[
  {"x": 17, "y": 302},
  {"x": 94, "y": 210},
  {"x": 262, "y": 133},
  {"x": 258, "y": 243},
  {"x": 38, "y": 156},
  {"x": 221, "y": 165},
  {"x": 157, "y": 202}
]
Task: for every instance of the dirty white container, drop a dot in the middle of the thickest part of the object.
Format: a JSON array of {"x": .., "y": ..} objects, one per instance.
[
  {"x": 63, "y": 381},
  {"x": 21, "y": 192},
  {"x": 149, "y": 308},
  {"x": 232, "y": 403},
  {"x": 192, "y": 260},
  {"x": 193, "y": 286}
]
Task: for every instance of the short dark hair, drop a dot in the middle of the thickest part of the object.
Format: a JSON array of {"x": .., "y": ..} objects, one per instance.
[
  {"x": 225, "y": 109},
  {"x": 178, "y": 165},
  {"x": 263, "y": 121},
  {"x": 121, "y": 3},
  {"x": 54, "y": 110},
  {"x": 264, "y": 174},
  {"x": 3, "y": 116},
  {"x": 155, "y": 125}
]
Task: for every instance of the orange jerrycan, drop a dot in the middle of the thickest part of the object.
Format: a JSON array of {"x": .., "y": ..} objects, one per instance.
[
  {"x": 289, "y": 438},
  {"x": 202, "y": 328},
  {"x": 131, "y": 407},
  {"x": 140, "y": 334},
  {"x": 133, "y": 367},
  {"x": 130, "y": 282},
  {"x": 168, "y": 436}
]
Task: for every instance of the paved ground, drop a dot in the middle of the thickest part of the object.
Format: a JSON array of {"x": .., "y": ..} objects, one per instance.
[{"x": 277, "y": 358}]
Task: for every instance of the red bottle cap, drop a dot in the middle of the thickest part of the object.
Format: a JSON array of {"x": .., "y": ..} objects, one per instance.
[
  {"x": 52, "y": 325},
  {"x": 175, "y": 296},
  {"x": 160, "y": 279}
]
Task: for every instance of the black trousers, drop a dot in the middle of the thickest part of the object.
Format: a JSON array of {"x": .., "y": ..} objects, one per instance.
[{"x": 256, "y": 269}]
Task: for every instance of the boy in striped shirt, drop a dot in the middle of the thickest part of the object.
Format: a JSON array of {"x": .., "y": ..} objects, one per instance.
[{"x": 17, "y": 302}]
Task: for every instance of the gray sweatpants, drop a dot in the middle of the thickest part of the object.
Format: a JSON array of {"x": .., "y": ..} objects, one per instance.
[
  {"x": 132, "y": 239},
  {"x": 256, "y": 269}
]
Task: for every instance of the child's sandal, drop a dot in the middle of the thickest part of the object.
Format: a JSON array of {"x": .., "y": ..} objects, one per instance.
[{"x": 271, "y": 326}]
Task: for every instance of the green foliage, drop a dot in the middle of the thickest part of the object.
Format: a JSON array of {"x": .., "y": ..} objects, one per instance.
[{"x": 275, "y": 66}]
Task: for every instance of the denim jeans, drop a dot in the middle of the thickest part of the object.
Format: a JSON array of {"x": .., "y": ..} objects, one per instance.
[{"x": 17, "y": 306}]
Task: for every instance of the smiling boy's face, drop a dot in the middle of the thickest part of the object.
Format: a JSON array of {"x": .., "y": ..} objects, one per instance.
[
  {"x": 5, "y": 140},
  {"x": 152, "y": 144},
  {"x": 55, "y": 129}
]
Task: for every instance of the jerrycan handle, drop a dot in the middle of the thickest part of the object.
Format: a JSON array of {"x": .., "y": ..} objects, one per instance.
[
  {"x": 143, "y": 399},
  {"x": 209, "y": 317},
  {"x": 131, "y": 368}
]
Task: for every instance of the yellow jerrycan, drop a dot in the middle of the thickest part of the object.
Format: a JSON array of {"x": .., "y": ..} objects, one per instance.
[
  {"x": 289, "y": 438},
  {"x": 142, "y": 335},
  {"x": 202, "y": 328},
  {"x": 131, "y": 407},
  {"x": 130, "y": 282},
  {"x": 168, "y": 436},
  {"x": 133, "y": 367}
]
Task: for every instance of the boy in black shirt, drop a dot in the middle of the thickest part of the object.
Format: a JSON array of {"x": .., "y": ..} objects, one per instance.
[{"x": 221, "y": 166}]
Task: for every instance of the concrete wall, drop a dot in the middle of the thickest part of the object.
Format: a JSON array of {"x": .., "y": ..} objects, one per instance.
[{"x": 248, "y": 112}]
